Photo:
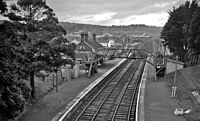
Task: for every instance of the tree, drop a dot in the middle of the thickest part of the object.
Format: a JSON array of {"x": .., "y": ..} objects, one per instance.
[
  {"x": 12, "y": 98},
  {"x": 25, "y": 49},
  {"x": 41, "y": 26},
  {"x": 175, "y": 31},
  {"x": 3, "y": 6},
  {"x": 61, "y": 53},
  {"x": 30, "y": 12},
  {"x": 194, "y": 31},
  {"x": 34, "y": 13},
  {"x": 194, "y": 35}
]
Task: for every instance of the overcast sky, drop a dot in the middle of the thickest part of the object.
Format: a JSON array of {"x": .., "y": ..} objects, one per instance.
[{"x": 114, "y": 12}]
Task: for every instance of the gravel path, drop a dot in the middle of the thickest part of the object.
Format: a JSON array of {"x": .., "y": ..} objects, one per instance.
[{"x": 52, "y": 103}]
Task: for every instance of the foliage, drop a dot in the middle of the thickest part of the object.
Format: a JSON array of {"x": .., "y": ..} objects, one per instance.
[
  {"x": 3, "y": 6},
  {"x": 41, "y": 26},
  {"x": 61, "y": 53},
  {"x": 12, "y": 102},
  {"x": 10, "y": 48},
  {"x": 27, "y": 46},
  {"x": 180, "y": 31},
  {"x": 194, "y": 31},
  {"x": 12, "y": 98},
  {"x": 25, "y": 88},
  {"x": 28, "y": 11}
]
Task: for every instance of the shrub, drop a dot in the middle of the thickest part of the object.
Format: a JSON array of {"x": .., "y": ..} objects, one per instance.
[
  {"x": 12, "y": 102},
  {"x": 25, "y": 88}
]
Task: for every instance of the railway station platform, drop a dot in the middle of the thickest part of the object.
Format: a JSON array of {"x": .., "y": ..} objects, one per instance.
[
  {"x": 155, "y": 102},
  {"x": 54, "y": 102}
]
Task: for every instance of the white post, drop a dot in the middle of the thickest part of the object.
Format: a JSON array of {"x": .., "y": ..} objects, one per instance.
[{"x": 172, "y": 95}]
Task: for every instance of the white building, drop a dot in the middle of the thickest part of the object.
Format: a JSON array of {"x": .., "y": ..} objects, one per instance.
[{"x": 111, "y": 43}]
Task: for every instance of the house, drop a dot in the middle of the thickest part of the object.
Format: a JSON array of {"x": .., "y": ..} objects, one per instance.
[
  {"x": 86, "y": 53},
  {"x": 87, "y": 48},
  {"x": 111, "y": 43},
  {"x": 104, "y": 39}
]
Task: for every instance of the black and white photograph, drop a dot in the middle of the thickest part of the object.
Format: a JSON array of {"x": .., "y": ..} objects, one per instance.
[{"x": 99, "y": 60}]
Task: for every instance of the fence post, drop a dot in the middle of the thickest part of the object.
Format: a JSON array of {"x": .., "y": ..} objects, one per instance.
[
  {"x": 56, "y": 81},
  {"x": 53, "y": 79}
]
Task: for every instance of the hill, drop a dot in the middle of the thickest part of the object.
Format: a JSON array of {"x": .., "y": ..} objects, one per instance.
[
  {"x": 137, "y": 29},
  {"x": 130, "y": 29}
]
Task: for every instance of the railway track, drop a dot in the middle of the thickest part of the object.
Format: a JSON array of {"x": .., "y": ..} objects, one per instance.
[{"x": 116, "y": 100}]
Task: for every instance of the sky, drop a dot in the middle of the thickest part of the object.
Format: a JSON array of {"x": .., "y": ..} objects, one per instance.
[{"x": 114, "y": 12}]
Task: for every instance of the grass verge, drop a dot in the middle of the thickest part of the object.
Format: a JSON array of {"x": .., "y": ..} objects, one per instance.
[{"x": 185, "y": 87}]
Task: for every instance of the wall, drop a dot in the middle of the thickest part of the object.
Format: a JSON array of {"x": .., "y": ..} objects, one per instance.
[{"x": 171, "y": 66}]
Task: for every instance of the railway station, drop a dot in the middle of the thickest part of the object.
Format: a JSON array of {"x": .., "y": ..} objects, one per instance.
[
  {"x": 128, "y": 91},
  {"x": 100, "y": 99},
  {"x": 99, "y": 60}
]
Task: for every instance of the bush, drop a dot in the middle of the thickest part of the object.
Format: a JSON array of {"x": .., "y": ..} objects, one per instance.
[
  {"x": 25, "y": 88},
  {"x": 12, "y": 102}
]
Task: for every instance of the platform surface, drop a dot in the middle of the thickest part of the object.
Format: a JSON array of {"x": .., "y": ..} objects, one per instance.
[{"x": 157, "y": 103}]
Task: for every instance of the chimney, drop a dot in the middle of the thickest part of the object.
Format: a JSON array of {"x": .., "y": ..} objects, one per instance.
[
  {"x": 94, "y": 37},
  {"x": 82, "y": 37},
  {"x": 86, "y": 36}
]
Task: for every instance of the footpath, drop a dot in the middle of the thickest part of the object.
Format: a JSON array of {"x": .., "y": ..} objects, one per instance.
[{"x": 157, "y": 104}]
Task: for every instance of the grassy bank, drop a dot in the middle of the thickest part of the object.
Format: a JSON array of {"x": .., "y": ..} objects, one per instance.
[{"x": 185, "y": 87}]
